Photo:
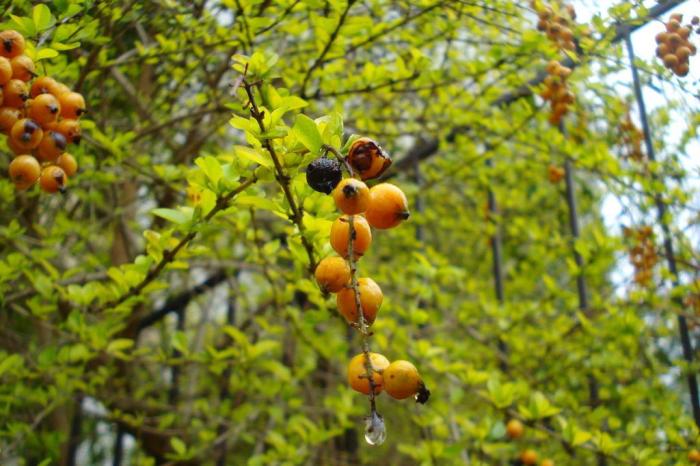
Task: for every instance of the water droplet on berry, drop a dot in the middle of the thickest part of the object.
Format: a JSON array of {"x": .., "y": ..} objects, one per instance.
[{"x": 375, "y": 431}]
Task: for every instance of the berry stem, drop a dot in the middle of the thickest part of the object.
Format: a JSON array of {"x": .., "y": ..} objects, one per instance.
[
  {"x": 362, "y": 323},
  {"x": 283, "y": 179},
  {"x": 340, "y": 158}
]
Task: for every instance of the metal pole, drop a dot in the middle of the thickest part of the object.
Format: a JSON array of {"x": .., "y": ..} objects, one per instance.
[
  {"x": 581, "y": 286},
  {"x": 497, "y": 267},
  {"x": 668, "y": 245}
]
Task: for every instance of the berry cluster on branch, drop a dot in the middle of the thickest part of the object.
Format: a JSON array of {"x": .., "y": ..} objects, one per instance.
[
  {"x": 39, "y": 117},
  {"x": 674, "y": 46},
  {"x": 383, "y": 206}
]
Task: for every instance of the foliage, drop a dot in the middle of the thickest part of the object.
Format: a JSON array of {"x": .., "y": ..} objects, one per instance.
[{"x": 168, "y": 295}]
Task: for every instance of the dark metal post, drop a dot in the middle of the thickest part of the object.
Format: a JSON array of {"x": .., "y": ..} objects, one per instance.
[
  {"x": 118, "y": 447},
  {"x": 497, "y": 268},
  {"x": 581, "y": 286},
  {"x": 668, "y": 245}
]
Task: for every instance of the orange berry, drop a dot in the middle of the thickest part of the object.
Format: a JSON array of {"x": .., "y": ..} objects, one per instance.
[
  {"x": 22, "y": 68},
  {"x": 24, "y": 171},
  {"x": 683, "y": 32},
  {"x": 15, "y": 93},
  {"x": 371, "y": 298},
  {"x": 682, "y": 69},
  {"x": 332, "y": 273},
  {"x": 340, "y": 235},
  {"x": 8, "y": 117},
  {"x": 357, "y": 372},
  {"x": 351, "y": 196},
  {"x": 52, "y": 145},
  {"x": 387, "y": 206},
  {"x": 694, "y": 456},
  {"x": 514, "y": 429},
  {"x": 72, "y": 105},
  {"x": 547, "y": 462},
  {"x": 5, "y": 71},
  {"x": 53, "y": 179},
  {"x": 670, "y": 60},
  {"x": 26, "y": 133},
  {"x": 42, "y": 85},
  {"x": 44, "y": 109},
  {"x": 70, "y": 129},
  {"x": 673, "y": 25},
  {"x": 401, "y": 380},
  {"x": 367, "y": 158},
  {"x": 11, "y": 43},
  {"x": 528, "y": 457},
  {"x": 683, "y": 53},
  {"x": 67, "y": 163},
  {"x": 15, "y": 148}
]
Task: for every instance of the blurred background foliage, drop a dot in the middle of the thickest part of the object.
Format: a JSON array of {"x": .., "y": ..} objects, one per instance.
[{"x": 114, "y": 349}]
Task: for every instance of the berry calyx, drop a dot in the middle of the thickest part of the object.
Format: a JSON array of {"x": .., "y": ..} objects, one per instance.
[
  {"x": 323, "y": 174},
  {"x": 53, "y": 179},
  {"x": 368, "y": 159},
  {"x": 401, "y": 380},
  {"x": 357, "y": 373},
  {"x": 514, "y": 429},
  {"x": 24, "y": 171},
  {"x": 332, "y": 273},
  {"x": 351, "y": 196},
  {"x": 371, "y": 298},
  {"x": 340, "y": 235},
  {"x": 388, "y": 206}
]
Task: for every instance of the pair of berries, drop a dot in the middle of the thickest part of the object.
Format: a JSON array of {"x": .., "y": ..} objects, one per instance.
[
  {"x": 365, "y": 157},
  {"x": 40, "y": 119},
  {"x": 400, "y": 379}
]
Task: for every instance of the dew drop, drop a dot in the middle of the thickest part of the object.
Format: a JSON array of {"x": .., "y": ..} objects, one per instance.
[{"x": 375, "y": 431}]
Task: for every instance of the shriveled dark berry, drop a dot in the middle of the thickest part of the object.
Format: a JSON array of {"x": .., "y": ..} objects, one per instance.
[
  {"x": 368, "y": 159},
  {"x": 324, "y": 174}
]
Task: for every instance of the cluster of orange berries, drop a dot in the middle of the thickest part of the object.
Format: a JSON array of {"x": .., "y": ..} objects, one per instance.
[
  {"x": 556, "y": 24},
  {"x": 382, "y": 207},
  {"x": 643, "y": 254},
  {"x": 674, "y": 46},
  {"x": 556, "y": 91},
  {"x": 632, "y": 137},
  {"x": 39, "y": 118},
  {"x": 514, "y": 431}
]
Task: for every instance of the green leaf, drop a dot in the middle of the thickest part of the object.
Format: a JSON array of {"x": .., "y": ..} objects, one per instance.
[
  {"x": 45, "y": 53},
  {"x": 42, "y": 17},
  {"x": 176, "y": 216},
  {"x": 178, "y": 445},
  {"x": 119, "y": 345},
  {"x": 253, "y": 155},
  {"x": 306, "y": 131}
]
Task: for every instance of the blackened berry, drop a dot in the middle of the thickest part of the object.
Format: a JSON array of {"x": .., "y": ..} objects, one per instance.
[{"x": 324, "y": 174}]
